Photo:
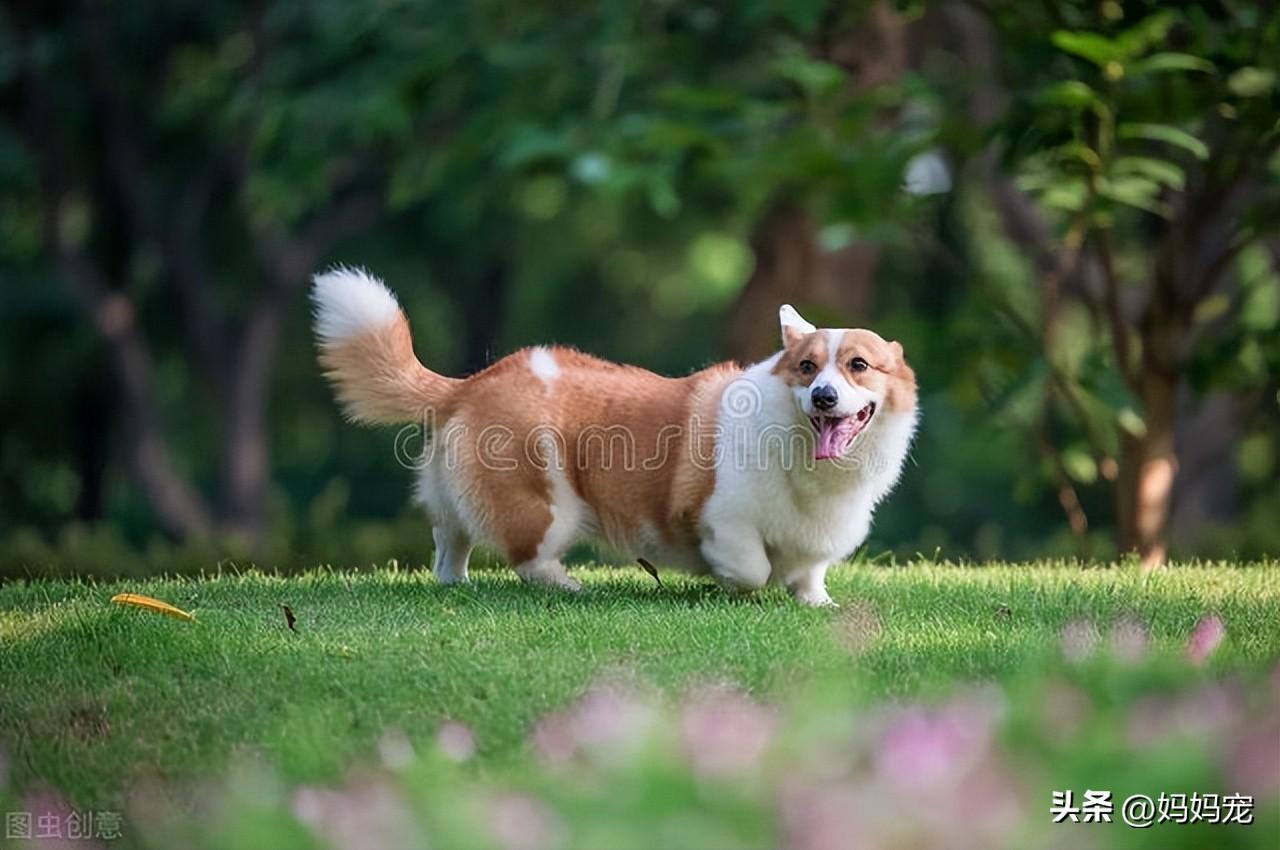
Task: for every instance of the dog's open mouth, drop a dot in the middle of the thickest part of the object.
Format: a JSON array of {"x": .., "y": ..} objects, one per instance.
[{"x": 836, "y": 433}]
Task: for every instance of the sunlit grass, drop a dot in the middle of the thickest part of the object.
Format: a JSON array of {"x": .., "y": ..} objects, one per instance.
[{"x": 97, "y": 698}]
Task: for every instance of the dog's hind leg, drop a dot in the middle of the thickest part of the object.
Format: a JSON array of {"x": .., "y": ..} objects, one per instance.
[{"x": 453, "y": 550}]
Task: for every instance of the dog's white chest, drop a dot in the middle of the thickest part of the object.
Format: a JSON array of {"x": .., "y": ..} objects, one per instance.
[{"x": 804, "y": 511}]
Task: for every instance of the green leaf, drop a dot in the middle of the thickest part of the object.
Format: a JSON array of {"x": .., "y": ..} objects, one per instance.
[
  {"x": 1069, "y": 195},
  {"x": 1161, "y": 171},
  {"x": 1019, "y": 398},
  {"x": 1072, "y": 94},
  {"x": 528, "y": 143},
  {"x": 1079, "y": 464},
  {"x": 1134, "y": 191},
  {"x": 1158, "y": 63},
  {"x": 1151, "y": 30},
  {"x": 1252, "y": 82},
  {"x": 1095, "y": 48},
  {"x": 815, "y": 77},
  {"x": 1167, "y": 134},
  {"x": 1131, "y": 421},
  {"x": 1081, "y": 152}
]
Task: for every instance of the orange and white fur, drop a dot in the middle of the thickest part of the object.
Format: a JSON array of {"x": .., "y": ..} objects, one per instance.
[{"x": 757, "y": 475}]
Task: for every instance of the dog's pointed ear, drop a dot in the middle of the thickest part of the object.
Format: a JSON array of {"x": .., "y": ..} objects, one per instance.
[
  {"x": 793, "y": 324},
  {"x": 896, "y": 348}
]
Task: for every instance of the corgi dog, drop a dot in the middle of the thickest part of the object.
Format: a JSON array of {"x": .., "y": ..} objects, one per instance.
[{"x": 756, "y": 475}]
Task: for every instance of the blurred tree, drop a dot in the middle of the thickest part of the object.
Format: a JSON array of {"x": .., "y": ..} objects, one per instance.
[
  {"x": 635, "y": 178},
  {"x": 794, "y": 264},
  {"x": 133, "y": 167},
  {"x": 191, "y": 166},
  {"x": 1149, "y": 145}
]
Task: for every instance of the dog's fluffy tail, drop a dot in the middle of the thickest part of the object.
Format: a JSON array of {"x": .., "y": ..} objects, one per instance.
[{"x": 367, "y": 353}]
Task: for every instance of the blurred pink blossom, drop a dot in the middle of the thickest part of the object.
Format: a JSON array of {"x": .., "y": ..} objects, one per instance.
[
  {"x": 522, "y": 822},
  {"x": 1063, "y": 712},
  {"x": 608, "y": 715},
  {"x": 980, "y": 812},
  {"x": 367, "y": 814},
  {"x": 1254, "y": 762},
  {"x": 1203, "y": 715},
  {"x": 1205, "y": 638},
  {"x": 725, "y": 731},
  {"x": 455, "y": 741},
  {"x": 606, "y": 720},
  {"x": 1129, "y": 640},
  {"x": 395, "y": 750},
  {"x": 1079, "y": 640},
  {"x": 822, "y": 815},
  {"x": 553, "y": 738},
  {"x": 53, "y": 820},
  {"x": 931, "y": 747}
]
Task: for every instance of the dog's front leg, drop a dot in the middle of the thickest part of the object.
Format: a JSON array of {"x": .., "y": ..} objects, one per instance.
[
  {"x": 810, "y": 586},
  {"x": 737, "y": 557}
]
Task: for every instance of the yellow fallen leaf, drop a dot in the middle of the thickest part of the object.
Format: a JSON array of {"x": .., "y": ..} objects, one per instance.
[{"x": 139, "y": 601}]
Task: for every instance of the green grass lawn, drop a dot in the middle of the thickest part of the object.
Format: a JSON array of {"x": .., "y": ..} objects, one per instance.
[{"x": 99, "y": 699}]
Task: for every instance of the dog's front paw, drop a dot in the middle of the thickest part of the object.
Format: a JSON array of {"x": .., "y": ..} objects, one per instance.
[
  {"x": 816, "y": 598},
  {"x": 548, "y": 574}
]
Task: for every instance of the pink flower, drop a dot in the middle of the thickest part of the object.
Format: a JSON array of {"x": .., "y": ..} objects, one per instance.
[
  {"x": 456, "y": 741},
  {"x": 821, "y": 815},
  {"x": 605, "y": 721},
  {"x": 1254, "y": 765},
  {"x": 1079, "y": 639},
  {"x": 521, "y": 822},
  {"x": 1203, "y": 715},
  {"x": 50, "y": 819},
  {"x": 553, "y": 738},
  {"x": 1064, "y": 712},
  {"x": 607, "y": 715},
  {"x": 367, "y": 814},
  {"x": 725, "y": 732},
  {"x": 395, "y": 750},
  {"x": 925, "y": 748},
  {"x": 1205, "y": 638},
  {"x": 1129, "y": 640}
]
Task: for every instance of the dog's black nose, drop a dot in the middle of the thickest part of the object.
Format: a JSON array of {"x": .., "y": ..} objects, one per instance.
[{"x": 825, "y": 397}]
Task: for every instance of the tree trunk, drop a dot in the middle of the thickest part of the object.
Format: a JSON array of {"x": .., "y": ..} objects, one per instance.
[
  {"x": 1149, "y": 460},
  {"x": 1148, "y": 468},
  {"x": 792, "y": 267},
  {"x": 791, "y": 264},
  {"x": 1208, "y": 486},
  {"x": 246, "y": 446}
]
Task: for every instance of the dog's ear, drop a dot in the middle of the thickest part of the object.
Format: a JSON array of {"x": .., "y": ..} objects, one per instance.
[{"x": 793, "y": 324}]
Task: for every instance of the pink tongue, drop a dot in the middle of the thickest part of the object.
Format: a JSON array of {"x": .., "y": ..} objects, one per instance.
[{"x": 834, "y": 436}]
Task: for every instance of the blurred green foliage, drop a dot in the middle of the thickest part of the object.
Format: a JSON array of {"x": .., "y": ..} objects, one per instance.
[{"x": 592, "y": 176}]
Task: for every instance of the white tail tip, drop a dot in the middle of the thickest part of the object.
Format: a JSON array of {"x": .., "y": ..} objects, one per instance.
[{"x": 349, "y": 302}]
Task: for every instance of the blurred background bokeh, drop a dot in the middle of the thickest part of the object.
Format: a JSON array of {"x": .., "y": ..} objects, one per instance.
[{"x": 1066, "y": 211}]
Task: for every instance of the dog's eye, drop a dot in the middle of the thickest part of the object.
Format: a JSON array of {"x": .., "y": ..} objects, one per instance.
[
  {"x": 857, "y": 364},
  {"x": 808, "y": 367}
]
